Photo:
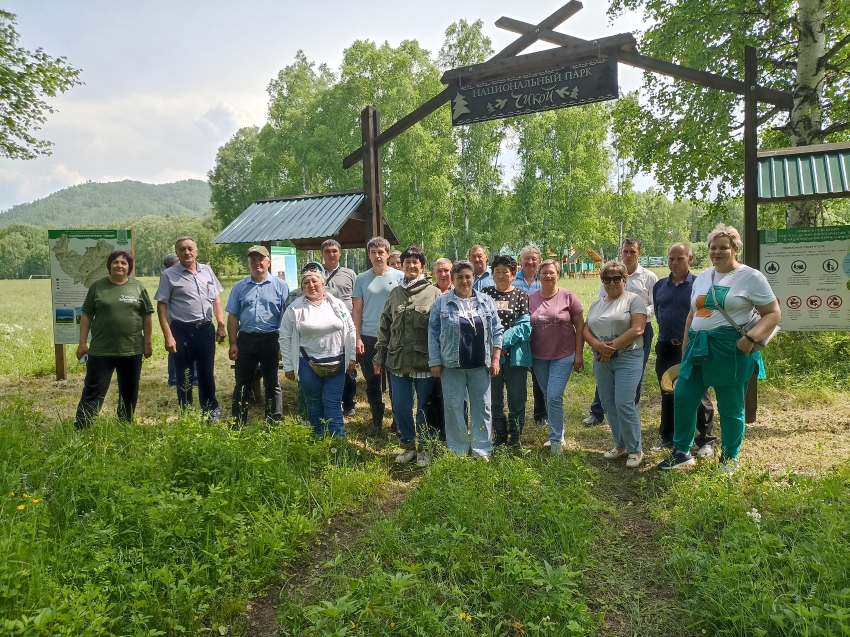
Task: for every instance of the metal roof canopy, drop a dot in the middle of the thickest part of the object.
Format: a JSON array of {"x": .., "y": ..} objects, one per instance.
[
  {"x": 820, "y": 171},
  {"x": 306, "y": 220}
]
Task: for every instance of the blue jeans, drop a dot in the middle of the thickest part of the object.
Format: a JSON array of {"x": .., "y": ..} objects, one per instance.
[
  {"x": 553, "y": 377},
  {"x": 596, "y": 408},
  {"x": 616, "y": 381},
  {"x": 324, "y": 399},
  {"x": 402, "y": 400},
  {"x": 195, "y": 347},
  {"x": 457, "y": 383}
]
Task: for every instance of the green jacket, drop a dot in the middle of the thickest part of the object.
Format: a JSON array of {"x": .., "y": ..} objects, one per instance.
[{"x": 402, "y": 345}]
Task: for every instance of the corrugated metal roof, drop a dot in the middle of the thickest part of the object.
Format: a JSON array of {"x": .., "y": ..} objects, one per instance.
[
  {"x": 806, "y": 172},
  {"x": 287, "y": 218}
]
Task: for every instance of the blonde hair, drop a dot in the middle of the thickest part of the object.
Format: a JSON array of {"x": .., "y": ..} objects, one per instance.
[
  {"x": 722, "y": 230},
  {"x": 549, "y": 262},
  {"x": 614, "y": 265}
]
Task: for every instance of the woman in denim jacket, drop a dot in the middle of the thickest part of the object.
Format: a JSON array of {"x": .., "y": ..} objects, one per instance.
[{"x": 464, "y": 346}]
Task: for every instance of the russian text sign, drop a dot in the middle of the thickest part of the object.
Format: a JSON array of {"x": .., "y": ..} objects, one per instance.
[
  {"x": 809, "y": 271},
  {"x": 580, "y": 83},
  {"x": 284, "y": 265},
  {"x": 78, "y": 259}
]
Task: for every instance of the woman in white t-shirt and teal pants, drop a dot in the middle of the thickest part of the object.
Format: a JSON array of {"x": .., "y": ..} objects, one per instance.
[
  {"x": 614, "y": 329},
  {"x": 715, "y": 354}
]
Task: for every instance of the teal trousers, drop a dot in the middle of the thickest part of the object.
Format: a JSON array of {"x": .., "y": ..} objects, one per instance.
[{"x": 730, "y": 405}]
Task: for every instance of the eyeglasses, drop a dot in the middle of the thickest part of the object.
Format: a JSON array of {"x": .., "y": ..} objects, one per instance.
[{"x": 611, "y": 279}]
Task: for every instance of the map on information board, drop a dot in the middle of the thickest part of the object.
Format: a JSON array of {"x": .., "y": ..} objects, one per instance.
[
  {"x": 809, "y": 271},
  {"x": 78, "y": 259}
]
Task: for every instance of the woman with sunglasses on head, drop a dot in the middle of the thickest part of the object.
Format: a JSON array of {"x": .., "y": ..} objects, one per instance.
[
  {"x": 614, "y": 329},
  {"x": 557, "y": 343}
]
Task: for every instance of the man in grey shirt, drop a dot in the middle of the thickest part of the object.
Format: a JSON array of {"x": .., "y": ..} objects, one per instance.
[
  {"x": 188, "y": 294},
  {"x": 342, "y": 280}
]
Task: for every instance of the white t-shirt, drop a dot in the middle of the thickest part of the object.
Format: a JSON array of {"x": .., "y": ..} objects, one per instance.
[
  {"x": 608, "y": 319},
  {"x": 320, "y": 330},
  {"x": 737, "y": 292}
]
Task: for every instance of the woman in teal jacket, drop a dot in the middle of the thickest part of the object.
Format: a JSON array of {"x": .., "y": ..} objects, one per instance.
[{"x": 512, "y": 309}]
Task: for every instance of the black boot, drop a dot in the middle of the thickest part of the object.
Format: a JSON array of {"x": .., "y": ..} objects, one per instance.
[{"x": 377, "y": 420}]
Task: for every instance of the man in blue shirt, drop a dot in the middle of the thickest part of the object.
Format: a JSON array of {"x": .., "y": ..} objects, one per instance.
[
  {"x": 672, "y": 296},
  {"x": 482, "y": 276},
  {"x": 527, "y": 281},
  {"x": 187, "y": 300},
  {"x": 254, "y": 310}
]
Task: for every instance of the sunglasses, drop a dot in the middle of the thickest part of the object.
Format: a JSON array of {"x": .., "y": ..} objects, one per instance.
[{"x": 611, "y": 279}]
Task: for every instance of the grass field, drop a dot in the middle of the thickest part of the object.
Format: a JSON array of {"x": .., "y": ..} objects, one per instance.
[{"x": 169, "y": 527}]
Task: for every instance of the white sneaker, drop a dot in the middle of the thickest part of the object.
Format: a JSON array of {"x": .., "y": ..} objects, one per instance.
[
  {"x": 548, "y": 443},
  {"x": 614, "y": 453},
  {"x": 407, "y": 456},
  {"x": 706, "y": 451},
  {"x": 634, "y": 460},
  {"x": 423, "y": 459}
]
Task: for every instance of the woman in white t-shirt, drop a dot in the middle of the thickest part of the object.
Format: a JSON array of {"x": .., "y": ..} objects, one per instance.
[
  {"x": 715, "y": 354},
  {"x": 317, "y": 343},
  {"x": 614, "y": 329}
]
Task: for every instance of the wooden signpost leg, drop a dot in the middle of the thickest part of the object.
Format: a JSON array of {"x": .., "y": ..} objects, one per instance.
[
  {"x": 61, "y": 367},
  {"x": 367, "y": 126},
  {"x": 751, "y": 232},
  {"x": 378, "y": 179}
]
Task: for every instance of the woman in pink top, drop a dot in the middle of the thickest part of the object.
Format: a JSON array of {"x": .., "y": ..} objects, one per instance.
[{"x": 557, "y": 343}]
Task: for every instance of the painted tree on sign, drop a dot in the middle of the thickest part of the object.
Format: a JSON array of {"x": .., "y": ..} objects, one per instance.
[{"x": 689, "y": 137}]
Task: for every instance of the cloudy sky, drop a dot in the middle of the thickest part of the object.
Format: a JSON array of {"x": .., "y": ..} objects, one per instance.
[{"x": 167, "y": 82}]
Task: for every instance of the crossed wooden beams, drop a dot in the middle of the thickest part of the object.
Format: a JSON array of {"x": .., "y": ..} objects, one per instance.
[{"x": 508, "y": 63}]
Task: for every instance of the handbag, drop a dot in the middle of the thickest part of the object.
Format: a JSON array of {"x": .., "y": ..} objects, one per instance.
[
  {"x": 323, "y": 369},
  {"x": 743, "y": 331}
]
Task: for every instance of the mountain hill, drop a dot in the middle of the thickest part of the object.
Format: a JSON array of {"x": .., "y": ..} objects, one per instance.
[{"x": 116, "y": 202}]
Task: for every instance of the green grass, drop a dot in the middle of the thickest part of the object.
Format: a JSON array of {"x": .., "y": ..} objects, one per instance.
[
  {"x": 159, "y": 530},
  {"x": 478, "y": 548},
  {"x": 760, "y": 554}
]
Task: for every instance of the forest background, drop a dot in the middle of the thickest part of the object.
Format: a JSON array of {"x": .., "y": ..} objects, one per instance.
[{"x": 562, "y": 179}]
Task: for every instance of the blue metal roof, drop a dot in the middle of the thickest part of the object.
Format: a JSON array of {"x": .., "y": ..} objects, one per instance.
[
  {"x": 288, "y": 218},
  {"x": 806, "y": 172}
]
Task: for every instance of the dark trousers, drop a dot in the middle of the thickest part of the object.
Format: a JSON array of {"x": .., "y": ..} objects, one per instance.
[
  {"x": 172, "y": 372},
  {"x": 195, "y": 346},
  {"x": 514, "y": 380},
  {"x": 367, "y": 367},
  {"x": 434, "y": 415},
  {"x": 540, "y": 412},
  {"x": 256, "y": 348},
  {"x": 98, "y": 376},
  {"x": 668, "y": 354},
  {"x": 349, "y": 391},
  {"x": 596, "y": 408}
]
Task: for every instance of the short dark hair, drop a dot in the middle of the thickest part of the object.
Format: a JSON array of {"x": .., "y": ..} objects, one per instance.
[
  {"x": 506, "y": 260},
  {"x": 461, "y": 265},
  {"x": 632, "y": 241},
  {"x": 414, "y": 252},
  {"x": 327, "y": 243},
  {"x": 120, "y": 253}
]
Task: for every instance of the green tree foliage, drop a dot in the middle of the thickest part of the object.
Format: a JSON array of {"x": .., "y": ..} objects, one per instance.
[
  {"x": 690, "y": 137},
  {"x": 231, "y": 185},
  {"x": 93, "y": 204},
  {"x": 26, "y": 78},
  {"x": 23, "y": 251}
]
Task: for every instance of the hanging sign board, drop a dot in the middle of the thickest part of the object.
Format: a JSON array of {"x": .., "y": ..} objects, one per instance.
[
  {"x": 284, "y": 265},
  {"x": 78, "y": 259},
  {"x": 809, "y": 271},
  {"x": 579, "y": 83}
]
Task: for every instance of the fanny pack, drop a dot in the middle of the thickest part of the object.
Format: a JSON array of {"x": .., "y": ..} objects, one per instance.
[
  {"x": 324, "y": 368},
  {"x": 743, "y": 331}
]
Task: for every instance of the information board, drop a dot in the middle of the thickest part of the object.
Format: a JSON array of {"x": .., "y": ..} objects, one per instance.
[
  {"x": 284, "y": 265},
  {"x": 78, "y": 259},
  {"x": 809, "y": 271}
]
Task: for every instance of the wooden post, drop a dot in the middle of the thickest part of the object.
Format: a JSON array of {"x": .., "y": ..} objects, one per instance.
[
  {"x": 367, "y": 127},
  {"x": 751, "y": 233},
  {"x": 378, "y": 179},
  {"x": 61, "y": 367}
]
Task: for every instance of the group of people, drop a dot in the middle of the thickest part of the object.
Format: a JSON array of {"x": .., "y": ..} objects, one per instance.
[{"x": 454, "y": 346}]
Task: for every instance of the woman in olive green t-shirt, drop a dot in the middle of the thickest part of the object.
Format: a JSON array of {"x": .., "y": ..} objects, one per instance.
[{"x": 118, "y": 312}]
